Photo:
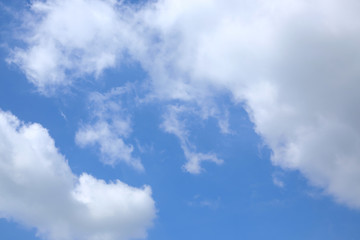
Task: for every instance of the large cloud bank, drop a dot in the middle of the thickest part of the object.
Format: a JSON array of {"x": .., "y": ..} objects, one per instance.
[
  {"x": 38, "y": 189},
  {"x": 293, "y": 64}
]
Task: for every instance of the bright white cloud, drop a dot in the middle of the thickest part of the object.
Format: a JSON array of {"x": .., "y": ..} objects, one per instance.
[
  {"x": 38, "y": 189},
  {"x": 292, "y": 64},
  {"x": 110, "y": 125},
  {"x": 70, "y": 39}
]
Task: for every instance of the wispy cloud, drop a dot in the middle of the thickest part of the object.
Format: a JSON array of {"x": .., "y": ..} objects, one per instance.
[
  {"x": 276, "y": 178},
  {"x": 173, "y": 124},
  {"x": 109, "y": 126},
  {"x": 199, "y": 201}
]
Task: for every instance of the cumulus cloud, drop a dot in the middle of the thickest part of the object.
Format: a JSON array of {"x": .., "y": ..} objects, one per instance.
[
  {"x": 293, "y": 65},
  {"x": 110, "y": 125},
  {"x": 38, "y": 189},
  {"x": 69, "y": 39}
]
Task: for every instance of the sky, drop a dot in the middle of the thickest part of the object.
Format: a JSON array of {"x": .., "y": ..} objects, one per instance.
[{"x": 167, "y": 120}]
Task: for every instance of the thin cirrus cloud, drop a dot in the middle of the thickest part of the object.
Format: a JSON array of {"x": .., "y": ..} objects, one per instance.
[
  {"x": 109, "y": 126},
  {"x": 293, "y": 65},
  {"x": 39, "y": 190},
  {"x": 174, "y": 124}
]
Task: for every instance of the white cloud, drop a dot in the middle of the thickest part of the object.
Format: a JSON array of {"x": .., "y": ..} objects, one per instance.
[
  {"x": 111, "y": 124},
  {"x": 173, "y": 124},
  {"x": 38, "y": 189},
  {"x": 70, "y": 39},
  {"x": 292, "y": 64}
]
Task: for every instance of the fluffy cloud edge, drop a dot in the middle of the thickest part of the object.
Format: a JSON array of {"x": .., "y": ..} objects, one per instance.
[{"x": 38, "y": 189}]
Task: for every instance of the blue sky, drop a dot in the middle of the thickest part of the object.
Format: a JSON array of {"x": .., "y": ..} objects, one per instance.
[{"x": 179, "y": 120}]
